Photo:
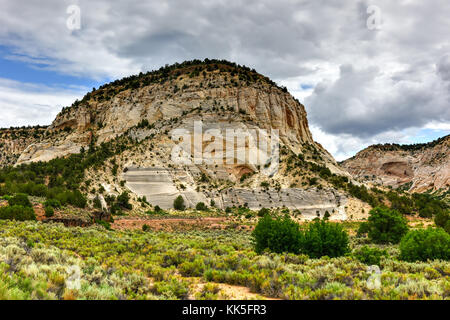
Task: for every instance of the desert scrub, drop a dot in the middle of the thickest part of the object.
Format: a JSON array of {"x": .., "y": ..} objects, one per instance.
[
  {"x": 370, "y": 255},
  {"x": 158, "y": 265},
  {"x": 172, "y": 289},
  {"x": 41, "y": 273},
  {"x": 209, "y": 291}
]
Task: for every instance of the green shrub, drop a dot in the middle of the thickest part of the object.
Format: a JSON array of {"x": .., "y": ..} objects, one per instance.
[
  {"x": 201, "y": 207},
  {"x": 97, "y": 203},
  {"x": 173, "y": 289},
  {"x": 442, "y": 218},
  {"x": 425, "y": 244},
  {"x": 19, "y": 213},
  {"x": 74, "y": 198},
  {"x": 386, "y": 225},
  {"x": 20, "y": 199},
  {"x": 262, "y": 212},
  {"x": 370, "y": 256},
  {"x": 116, "y": 209},
  {"x": 104, "y": 224},
  {"x": 178, "y": 203},
  {"x": 278, "y": 235},
  {"x": 447, "y": 226},
  {"x": 49, "y": 212},
  {"x": 145, "y": 228},
  {"x": 363, "y": 229},
  {"x": 123, "y": 201},
  {"x": 323, "y": 238},
  {"x": 52, "y": 203},
  {"x": 157, "y": 211}
]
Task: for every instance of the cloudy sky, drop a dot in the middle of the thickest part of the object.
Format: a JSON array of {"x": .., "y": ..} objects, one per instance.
[{"x": 367, "y": 71}]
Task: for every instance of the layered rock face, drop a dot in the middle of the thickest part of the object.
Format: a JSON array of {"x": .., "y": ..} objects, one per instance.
[
  {"x": 14, "y": 141},
  {"x": 265, "y": 105},
  {"x": 417, "y": 168},
  {"x": 150, "y": 108},
  {"x": 158, "y": 186}
]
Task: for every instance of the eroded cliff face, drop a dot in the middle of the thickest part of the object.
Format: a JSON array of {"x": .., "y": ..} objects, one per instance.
[
  {"x": 148, "y": 109},
  {"x": 15, "y": 140},
  {"x": 414, "y": 168},
  {"x": 264, "y": 104}
]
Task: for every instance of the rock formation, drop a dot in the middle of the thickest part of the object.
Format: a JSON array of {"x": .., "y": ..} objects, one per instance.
[
  {"x": 149, "y": 108},
  {"x": 416, "y": 168},
  {"x": 14, "y": 141}
]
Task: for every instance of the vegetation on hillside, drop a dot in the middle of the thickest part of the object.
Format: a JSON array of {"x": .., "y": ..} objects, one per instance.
[
  {"x": 35, "y": 260},
  {"x": 237, "y": 74},
  {"x": 405, "y": 147}
]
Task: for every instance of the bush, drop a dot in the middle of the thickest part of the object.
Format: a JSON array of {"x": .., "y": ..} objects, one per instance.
[
  {"x": 145, "y": 228},
  {"x": 97, "y": 203},
  {"x": 49, "y": 212},
  {"x": 74, "y": 198},
  {"x": 363, "y": 229},
  {"x": 447, "y": 226},
  {"x": 104, "y": 224},
  {"x": 123, "y": 201},
  {"x": 325, "y": 239},
  {"x": 370, "y": 256},
  {"x": 425, "y": 244},
  {"x": 386, "y": 225},
  {"x": 178, "y": 203},
  {"x": 277, "y": 235},
  {"x": 201, "y": 207},
  {"x": 52, "y": 203},
  {"x": 442, "y": 218},
  {"x": 262, "y": 212},
  {"x": 20, "y": 199},
  {"x": 19, "y": 213}
]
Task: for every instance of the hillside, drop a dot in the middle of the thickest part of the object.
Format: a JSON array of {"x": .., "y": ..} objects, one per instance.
[
  {"x": 136, "y": 117},
  {"x": 416, "y": 168}
]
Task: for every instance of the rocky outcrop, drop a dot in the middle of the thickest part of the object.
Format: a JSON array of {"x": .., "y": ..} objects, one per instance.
[
  {"x": 159, "y": 187},
  {"x": 101, "y": 216},
  {"x": 15, "y": 140},
  {"x": 417, "y": 168},
  {"x": 70, "y": 221},
  {"x": 259, "y": 101}
]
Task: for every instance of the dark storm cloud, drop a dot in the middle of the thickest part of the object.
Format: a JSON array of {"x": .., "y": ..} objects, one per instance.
[
  {"x": 367, "y": 82},
  {"x": 355, "y": 104}
]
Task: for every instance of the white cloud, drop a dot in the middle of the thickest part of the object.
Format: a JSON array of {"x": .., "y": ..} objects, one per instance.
[
  {"x": 368, "y": 102},
  {"x": 25, "y": 104},
  {"x": 368, "y": 84}
]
